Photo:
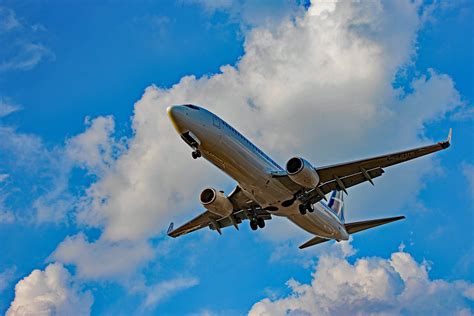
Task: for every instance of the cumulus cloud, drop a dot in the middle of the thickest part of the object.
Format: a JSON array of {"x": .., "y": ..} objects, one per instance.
[
  {"x": 318, "y": 84},
  {"x": 50, "y": 292},
  {"x": 324, "y": 78},
  {"x": 371, "y": 286},
  {"x": 95, "y": 148}
]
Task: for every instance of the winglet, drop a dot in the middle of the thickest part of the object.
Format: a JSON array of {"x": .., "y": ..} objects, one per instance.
[
  {"x": 170, "y": 229},
  {"x": 449, "y": 136},
  {"x": 447, "y": 142}
]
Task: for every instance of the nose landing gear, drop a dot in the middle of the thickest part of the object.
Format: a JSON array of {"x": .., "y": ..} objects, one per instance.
[{"x": 196, "y": 154}]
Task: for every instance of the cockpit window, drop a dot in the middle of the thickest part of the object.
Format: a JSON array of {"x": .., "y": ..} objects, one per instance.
[{"x": 191, "y": 106}]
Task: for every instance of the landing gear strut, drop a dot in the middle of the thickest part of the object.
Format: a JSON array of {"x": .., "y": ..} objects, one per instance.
[{"x": 196, "y": 154}]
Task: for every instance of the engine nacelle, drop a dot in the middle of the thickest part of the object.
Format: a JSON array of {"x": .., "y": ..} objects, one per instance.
[
  {"x": 216, "y": 202},
  {"x": 302, "y": 172}
]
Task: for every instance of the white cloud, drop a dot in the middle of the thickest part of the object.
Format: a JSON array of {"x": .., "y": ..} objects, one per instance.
[
  {"x": 7, "y": 108},
  {"x": 371, "y": 286},
  {"x": 324, "y": 78},
  {"x": 38, "y": 175},
  {"x": 94, "y": 149},
  {"x": 122, "y": 258},
  {"x": 6, "y": 215},
  {"x": 50, "y": 292},
  {"x": 8, "y": 20},
  {"x": 250, "y": 14},
  {"x": 6, "y": 276},
  {"x": 468, "y": 172},
  {"x": 26, "y": 56},
  {"x": 165, "y": 289},
  {"x": 317, "y": 84},
  {"x": 324, "y": 86},
  {"x": 23, "y": 49}
]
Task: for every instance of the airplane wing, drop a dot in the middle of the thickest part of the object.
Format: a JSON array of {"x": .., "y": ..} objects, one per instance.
[
  {"x": 242, "y": 210},
  {"x": 344, "y": 175}
]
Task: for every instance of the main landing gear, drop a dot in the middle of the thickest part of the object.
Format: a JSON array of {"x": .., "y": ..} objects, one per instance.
[
  {"x": 196, "y": 154},
  {"x": 306, "y": 207},
  {"x": 257, "y": 223}
]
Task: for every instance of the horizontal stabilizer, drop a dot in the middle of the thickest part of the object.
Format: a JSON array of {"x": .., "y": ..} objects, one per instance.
[
  {"x": 355, "y": 227},
  {"x": 312, "y": 242}
]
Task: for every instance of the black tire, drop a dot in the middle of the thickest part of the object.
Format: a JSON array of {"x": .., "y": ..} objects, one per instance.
[
  {"x": 198, "y": 153},
  {"x": 310, "y": 207},
  {"x": 260, "y": 222},
  {"x": 302, "y": 209},
  {"x": 253, "y": 224},
  {"x": 194, "y": 155}
]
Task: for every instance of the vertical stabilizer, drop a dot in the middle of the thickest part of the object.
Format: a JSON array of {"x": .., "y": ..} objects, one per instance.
[{"x": 336, "y": 203}]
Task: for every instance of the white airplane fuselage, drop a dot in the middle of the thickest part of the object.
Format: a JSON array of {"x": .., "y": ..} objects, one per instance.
[{"x": 235, "y": 155}]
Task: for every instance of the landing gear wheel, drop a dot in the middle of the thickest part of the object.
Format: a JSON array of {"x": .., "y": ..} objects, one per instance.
[
  {"x": 260, "y": 222},
  {"x": 196, "y": 154},
  {"x": 310, "y": 207},
  {"x": 302, "y": 209},
  {"x": 253, "y": 224}
]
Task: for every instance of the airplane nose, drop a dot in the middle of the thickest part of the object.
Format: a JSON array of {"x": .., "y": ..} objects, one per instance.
[
  {"x": 171, "y": 110},
  {"x": 175, "y": 115}
]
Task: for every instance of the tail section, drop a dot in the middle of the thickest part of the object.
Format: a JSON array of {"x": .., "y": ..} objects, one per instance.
[{"x": 336, "y": 203}]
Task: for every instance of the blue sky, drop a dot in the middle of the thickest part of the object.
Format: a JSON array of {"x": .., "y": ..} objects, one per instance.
[{"x": 91, "y": 172}]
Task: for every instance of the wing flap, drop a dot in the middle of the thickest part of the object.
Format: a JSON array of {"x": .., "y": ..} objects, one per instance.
[{"x": 346, "y": 181}]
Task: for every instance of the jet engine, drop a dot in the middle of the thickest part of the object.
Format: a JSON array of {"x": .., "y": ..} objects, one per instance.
[
  {"x": 216, "y": 202},
  {"x": 302, "y": 172}
]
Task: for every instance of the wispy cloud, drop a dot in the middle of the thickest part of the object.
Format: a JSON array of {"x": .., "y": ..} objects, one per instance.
[
  {"x": 165, "y": 289},
  {"x": 6, "y": 277},
  {"x": 22, "y": 47},
  {"x": 468, "y": 172},
  {"x": 8, "y": 20},
  {"x": 7, "y": 108}
]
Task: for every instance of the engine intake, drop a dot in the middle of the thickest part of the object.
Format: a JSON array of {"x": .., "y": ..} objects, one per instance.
[
  {"x": 216, "y": 202},
  {"x": 302, "y": 172}
]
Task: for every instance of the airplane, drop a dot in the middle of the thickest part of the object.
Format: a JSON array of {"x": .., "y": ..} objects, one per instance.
[{"x": 264, "y": 189}]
